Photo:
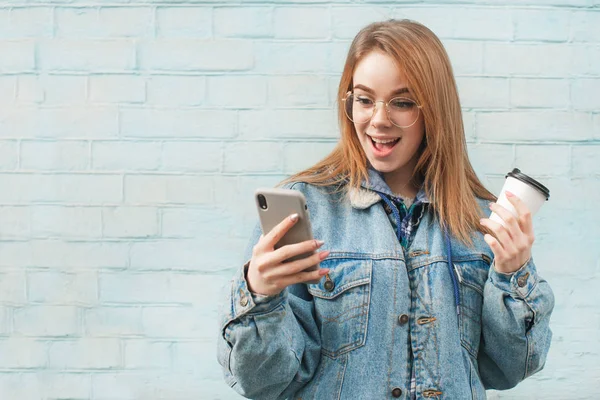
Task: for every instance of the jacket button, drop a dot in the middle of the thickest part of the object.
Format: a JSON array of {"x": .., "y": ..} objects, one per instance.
[
  {"x": 403, "y": 319},
  {"x": 329, "y": 285},
  {"x": 396, "y": 392},
  {"x": 522, "y": 281}
]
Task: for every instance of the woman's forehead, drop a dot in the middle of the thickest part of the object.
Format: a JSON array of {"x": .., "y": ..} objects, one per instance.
[{"x": 380, "y": 73}]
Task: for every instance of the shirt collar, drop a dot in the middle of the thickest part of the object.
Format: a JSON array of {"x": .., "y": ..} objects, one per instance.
[{"x": 378, "y": 184}]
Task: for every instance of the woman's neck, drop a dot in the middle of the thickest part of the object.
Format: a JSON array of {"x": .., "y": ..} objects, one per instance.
[{"x": 401, "y": 182}]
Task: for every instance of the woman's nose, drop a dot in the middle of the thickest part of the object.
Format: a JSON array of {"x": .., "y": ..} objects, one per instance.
[{"x": 380, "y": 116}]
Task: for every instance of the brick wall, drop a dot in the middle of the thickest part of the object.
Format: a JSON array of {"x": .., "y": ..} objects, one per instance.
[{"x": 133, "y": 133}]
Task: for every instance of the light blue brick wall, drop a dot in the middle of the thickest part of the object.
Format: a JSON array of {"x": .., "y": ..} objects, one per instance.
[{"x": 133, "y": 133}]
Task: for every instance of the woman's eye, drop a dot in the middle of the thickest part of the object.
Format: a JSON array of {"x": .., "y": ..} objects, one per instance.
[
  {"x": 364, "y": 101},
  {"x": 402, "y": 104}
]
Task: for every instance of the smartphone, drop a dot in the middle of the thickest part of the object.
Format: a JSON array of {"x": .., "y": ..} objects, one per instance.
[{"x": 274, "y": 205}]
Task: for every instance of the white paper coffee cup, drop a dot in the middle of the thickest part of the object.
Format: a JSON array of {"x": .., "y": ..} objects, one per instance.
[{"x": 530, "y": 191}]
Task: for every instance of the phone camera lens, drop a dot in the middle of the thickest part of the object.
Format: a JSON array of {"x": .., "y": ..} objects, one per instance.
[{"x": 262, "y": 201}]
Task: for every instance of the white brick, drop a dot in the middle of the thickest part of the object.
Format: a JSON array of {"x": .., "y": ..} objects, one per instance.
[
  {"x": 192, "y": 156},
  {"x": 88, "y": 353},
  {"x": 64, "y": 89},
  {"x": 22, "y": 353},
  {"x": 22, "y": 386},
  {"x": 556, "y": 160},
  {"x": 482, "y": 24},
  {"x": 305, "y": 124},
  {"x": 103, "y": 22},
  {"x": 47, "y": 321},
  {"x": 585, "y": 26},
  {"x": 54, "y": 156},
  {"x": 539, "y": 60},
  {"x": 199, "y": 289},
  {"x": 8, "y": 89},
  {"x": 127, "y": 287},
  {"x": 22, "y": 55},
  {"x": 253, "y": 157},
  {"x": 176, "y": 322},
  {"x": 15, "y": 222},
  {"x": 237, "y": 91},
  {"x": 25, "y": 22},
  {"x": 469, "y": 125},
  {"x": 585, "y": 94},
  {"x": 298, "y": 90},
  {"x": 15, "y": 254},
  {"x": 5, "y": 320},
  {"x": 347, "y": 21},
  {"x": 483, "y": 92},
  {"x": 178, "y": 123},
  {"x": 302, "y": 22},
  {"x": 117, "y": 89},
  {"x": 585, "y": 59},
  {"x": 190, "y": 223},
  {"x": 195, "y": 22},
  {"x": 172, "y": 90},
  {"x": 92, "y": 189},
  {"x": 585, "y": 160},
  {"x": 129, "y": 222},
  {"x": 152, "y": 189},
  {"x": 184, "y": 354},
  {"x": 113, "y": 321},
  {"x": 75, "y": 255},
  {"x": 61, "y": 385},
  {"x": 294, "y": 57},
  {"x": 87, "y": 55},
  {"x": 534, "y": 126},
  {"x": 12, "y": 288},
  {"x": 197, "y": 55},
  {"x": 466, "y": 56},
  {"x": 298, "y": 156},
  {"x": 546, "y": 25},
  {"x": 246, "y": 22},
  {"x": 436, "y": 18},
  {"x": 62, "y": 288},
  {"x": 491, "y": 158},
  {"x": 75, "y": 122},
  {"x": 123, "y": 385},
  {"x": 171, "y": 254},
  {"x": 539, "y": 93},
  {"x": 9, "y": 155},
  {"x": 29, "y": 90},
  {"x": 125, "y": 156},
  {"x": 144, "y": 354}
]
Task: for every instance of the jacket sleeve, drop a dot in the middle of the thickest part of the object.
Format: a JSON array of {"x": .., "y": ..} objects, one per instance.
[
  {"x": 515, "y": 326},
  {"x": 268, "y": 346}
]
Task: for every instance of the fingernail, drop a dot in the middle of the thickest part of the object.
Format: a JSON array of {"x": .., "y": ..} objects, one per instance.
[
  {"x": 323, "y": 254},
  {"x": 294, "y": 217},
  {"x": 323, "y": 271},
  {"x": 481, "y": 221},
  {"x": 320, "y": 243},
  {"x": 490, "y": 205},
  {"x": 508, "y": 194}
]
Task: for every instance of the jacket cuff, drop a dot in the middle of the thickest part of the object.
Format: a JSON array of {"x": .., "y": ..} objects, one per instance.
[
  {"x": 519, "y": 283},
  {"x": 243, "y": 301}
]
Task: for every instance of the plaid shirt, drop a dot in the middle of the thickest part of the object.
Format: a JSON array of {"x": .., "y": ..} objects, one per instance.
[{"x": 409, "y": 216}]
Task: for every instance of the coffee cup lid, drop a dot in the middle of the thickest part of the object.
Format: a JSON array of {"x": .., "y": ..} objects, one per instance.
[{"x": 517, "y": 174}]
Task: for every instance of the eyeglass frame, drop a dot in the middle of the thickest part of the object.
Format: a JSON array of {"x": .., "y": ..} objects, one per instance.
[{"x": 387, "y": 110}]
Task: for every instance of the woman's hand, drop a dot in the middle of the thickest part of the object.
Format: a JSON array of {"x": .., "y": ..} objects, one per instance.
[
  {"x": 269, "y": 275},
  {"x": 512, "y": 243}
]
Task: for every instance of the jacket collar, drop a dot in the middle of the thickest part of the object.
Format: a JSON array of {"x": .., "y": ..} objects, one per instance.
[{"x": 365, "y": 196}]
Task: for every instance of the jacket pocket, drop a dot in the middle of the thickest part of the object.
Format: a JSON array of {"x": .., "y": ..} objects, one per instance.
[
  {"x": 342, "y": 304},
  {"x": 473, "y": 275}
]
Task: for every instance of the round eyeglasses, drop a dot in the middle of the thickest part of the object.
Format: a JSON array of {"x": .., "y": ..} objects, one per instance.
[{"x": 401, "y": 111}]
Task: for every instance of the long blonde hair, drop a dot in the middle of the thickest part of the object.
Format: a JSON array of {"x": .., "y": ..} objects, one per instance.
[{"x": 450, "y": 182}]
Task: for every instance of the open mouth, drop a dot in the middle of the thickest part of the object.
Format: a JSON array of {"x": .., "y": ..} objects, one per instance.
[{"x": 383, "y": 147}]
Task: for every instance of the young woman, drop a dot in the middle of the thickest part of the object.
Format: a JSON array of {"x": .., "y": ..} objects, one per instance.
[{"x": 420, "y": 295}]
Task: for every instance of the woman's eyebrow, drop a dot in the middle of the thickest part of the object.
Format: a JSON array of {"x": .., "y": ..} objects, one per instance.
[{"x": 367, "y": 89}]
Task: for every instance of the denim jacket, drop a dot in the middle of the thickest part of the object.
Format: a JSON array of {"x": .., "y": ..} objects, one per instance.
[{"x": 468, "y": 327}]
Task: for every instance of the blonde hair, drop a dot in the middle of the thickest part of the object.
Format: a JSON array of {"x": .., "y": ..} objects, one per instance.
[{"x": 450, "y": 181}]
